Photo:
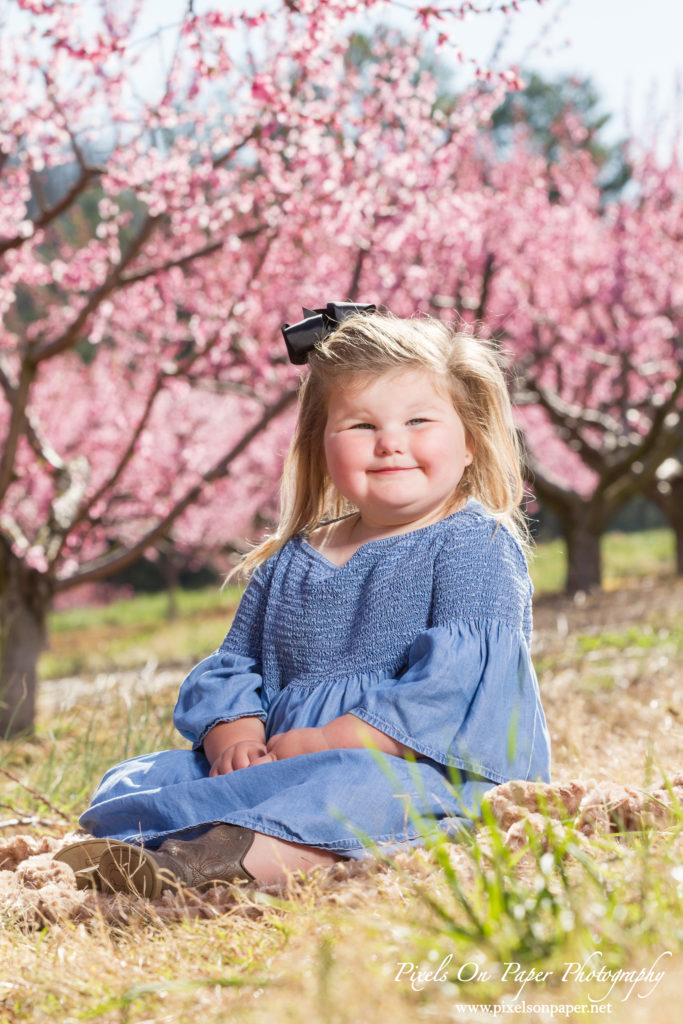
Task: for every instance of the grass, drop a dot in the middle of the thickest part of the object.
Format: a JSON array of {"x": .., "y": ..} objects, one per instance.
[
  {"x": 128, "y": 633},
  {"x": 477, "y": 922},
  {"x": 421, "y": 938},
  {"x": 626, "y": 557},
  {"x": 632, "y": 639}
]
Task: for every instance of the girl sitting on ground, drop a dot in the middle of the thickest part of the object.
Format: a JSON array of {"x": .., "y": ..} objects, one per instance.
[{"x": 376, "y": 680}]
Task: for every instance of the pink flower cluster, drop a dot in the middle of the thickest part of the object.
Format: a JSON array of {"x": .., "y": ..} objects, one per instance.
[{"x": 153, "y": 241}]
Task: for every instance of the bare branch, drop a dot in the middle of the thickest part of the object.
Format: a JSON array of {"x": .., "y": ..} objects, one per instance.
[
  {"x": 562, "y": 410},
  {"x": 34, "y": 432},
  {"x": 6, "y": 383},
  {"x": 182, "y": 261},
  {"x": 39, "y": 192},
  {"x": 34, "y": 793},
  {"x": 226, "y": 157},
  {"x": 52, "y": 92},
  {"x": 224, "y": 387},
  {"x": 70, "y": 486}
]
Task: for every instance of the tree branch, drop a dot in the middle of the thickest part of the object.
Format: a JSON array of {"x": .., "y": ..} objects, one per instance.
[
  {"x": 561, "y": 410},
  {"x": 550, "y": 490},
  {"x": 183, "y": 369},
  {"x": 6, "y": 383},
  {"x": 18, "y": 399},
  {"x": 72, "y": 334},
  {"x": 84, "y": 511},
  {"x": 40, "y": 444},
  {"x": 652, "y": 441},
  {"x": 103, "y": 567},
  {"x": 629, "y": 483},
  {"x": 487, "y": 276},
  {"x": 70, "y": 486},
  {"x": 182, "y": 261},
  {"x": 357, "y": 271},
  {"x": 9, "y": 528},
  {"x": 219, "y": 161},
  {"x": 51, "y": 213},
  {"x": 34, "y": 433},
  {"x": 565, "y": 416}
]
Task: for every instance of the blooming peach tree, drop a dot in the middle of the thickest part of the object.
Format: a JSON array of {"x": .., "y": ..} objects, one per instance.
[
  {"x": 169, "y": 195},
  {"x": 598, "y": 329},
  {"x": 586, "y": 300}
]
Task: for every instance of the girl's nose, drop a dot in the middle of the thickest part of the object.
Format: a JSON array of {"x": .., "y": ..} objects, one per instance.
[{"x": 389, "y": 441}]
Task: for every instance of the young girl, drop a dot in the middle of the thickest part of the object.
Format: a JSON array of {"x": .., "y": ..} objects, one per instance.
[{"x": 378, "y": 665}]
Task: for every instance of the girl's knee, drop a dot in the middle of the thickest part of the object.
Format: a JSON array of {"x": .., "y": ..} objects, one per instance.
[{"x": 149, "y": 771}]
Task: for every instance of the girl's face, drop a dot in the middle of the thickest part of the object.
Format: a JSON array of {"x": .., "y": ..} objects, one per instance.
[{"x": 396, "y": 447}]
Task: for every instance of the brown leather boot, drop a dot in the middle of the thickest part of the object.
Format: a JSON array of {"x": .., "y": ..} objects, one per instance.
[{"x": 201, "y": 863}]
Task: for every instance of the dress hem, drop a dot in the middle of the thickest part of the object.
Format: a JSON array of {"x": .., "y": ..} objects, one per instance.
[{"x": 344, "y": 847}]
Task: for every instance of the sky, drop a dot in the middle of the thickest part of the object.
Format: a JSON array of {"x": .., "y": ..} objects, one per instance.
[{"x": 631, "y": 49}]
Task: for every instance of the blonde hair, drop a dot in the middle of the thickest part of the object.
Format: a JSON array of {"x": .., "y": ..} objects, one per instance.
[{"x": 365, "y": 346}]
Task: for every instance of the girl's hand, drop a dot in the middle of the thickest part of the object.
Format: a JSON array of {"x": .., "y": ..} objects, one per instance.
[
  {"x": 296, "y": 742},
  {"x": 240, "y": 755}
]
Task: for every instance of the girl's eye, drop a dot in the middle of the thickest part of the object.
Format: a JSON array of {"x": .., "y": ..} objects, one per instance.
[
  {"x": 418, "y": 419},
  {"x": 362, "y": 426}
]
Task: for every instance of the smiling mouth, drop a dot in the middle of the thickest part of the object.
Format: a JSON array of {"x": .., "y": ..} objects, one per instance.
[{"x": 393, "y": 469}]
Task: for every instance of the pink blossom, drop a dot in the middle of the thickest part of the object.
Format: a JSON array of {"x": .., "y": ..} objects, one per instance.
[{"x": 197, "y": 226}]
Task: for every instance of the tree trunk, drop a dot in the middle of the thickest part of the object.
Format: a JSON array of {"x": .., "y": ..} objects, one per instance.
[
  {"x": 668, "y": 495},
  {"x": 582, "y": 523},
  {"x": 24, "y": 600},
  {"x": 678, "y": 531},
  {"x": 584, "y": 566},
  {"x": 170, "y": 572}
]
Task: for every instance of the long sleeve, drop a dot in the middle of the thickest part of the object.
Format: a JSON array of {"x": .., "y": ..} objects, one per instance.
[
  {"x": 469, "y": 696},
  {"x": 228, "y": 684}
]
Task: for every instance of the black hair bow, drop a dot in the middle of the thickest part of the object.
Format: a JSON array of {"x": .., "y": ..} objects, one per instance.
[{"x": 300, "y": 338}]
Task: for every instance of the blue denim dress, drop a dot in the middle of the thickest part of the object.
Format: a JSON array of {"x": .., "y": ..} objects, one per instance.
[{"x": 424, "y": 635}]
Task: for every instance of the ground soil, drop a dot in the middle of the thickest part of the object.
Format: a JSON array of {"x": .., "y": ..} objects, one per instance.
[{"x": 610, "y": 668}]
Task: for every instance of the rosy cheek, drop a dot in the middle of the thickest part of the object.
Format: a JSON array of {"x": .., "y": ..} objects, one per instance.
[{"x": 339, "y": 457}]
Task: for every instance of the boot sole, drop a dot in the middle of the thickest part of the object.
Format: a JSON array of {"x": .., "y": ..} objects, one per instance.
[
  {"x": 131, "y": 869},
  {"x": 84, "y": 858}
]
